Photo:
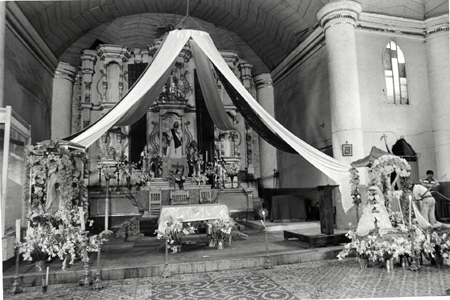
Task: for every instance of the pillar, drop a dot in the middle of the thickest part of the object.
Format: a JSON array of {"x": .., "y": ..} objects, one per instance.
[
  {"x": 62, "y": 100},
  {"x": 438, "y": 62},
  {"x": 2, "y": 49},
  {"x": 338, "y": 20},
  {"x": 267, "y": 152}
]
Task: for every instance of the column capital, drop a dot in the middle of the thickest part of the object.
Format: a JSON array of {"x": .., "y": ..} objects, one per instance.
[
  {"x": 437, "y": 25},
  {"x": 262, "y": 80},
  {"x": 108, "y": 52},
  {"x": 336, "y": 12},
  {"x": 65, "y": 71}
]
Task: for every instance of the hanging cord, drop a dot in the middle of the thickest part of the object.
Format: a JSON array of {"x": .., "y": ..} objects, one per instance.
[{"x": 188, "y": 16}]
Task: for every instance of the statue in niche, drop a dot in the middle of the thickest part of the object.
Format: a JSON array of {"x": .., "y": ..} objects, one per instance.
[
  {"x": 192, "y": 157},
  {"x": 144, "y": 160},
  {"x": 175, "y": 142}
]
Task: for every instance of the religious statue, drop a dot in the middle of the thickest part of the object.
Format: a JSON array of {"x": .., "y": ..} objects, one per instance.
[
  {"x": 192, "y": 157},
  {"x": 144, "y": 160},
  {"x": 374, "y": 212},
  {"x": 174, "y": 148},
  {"x": 54, "y": 198}
]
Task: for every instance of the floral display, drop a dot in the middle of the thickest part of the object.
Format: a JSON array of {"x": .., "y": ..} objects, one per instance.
[
  {"x": 232, "y": 169},
  {"x": 354, "y": 181},
  {"x": 54, "y": 197},
  {"x": 221, "y": 229},
  {"x": 403, "y": 240},
  {"x": 177, "y": 177},
  {"x": 175, "y": 231}
]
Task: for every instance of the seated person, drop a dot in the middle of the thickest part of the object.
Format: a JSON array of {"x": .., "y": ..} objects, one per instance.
[{"x": 374, "y": 211}]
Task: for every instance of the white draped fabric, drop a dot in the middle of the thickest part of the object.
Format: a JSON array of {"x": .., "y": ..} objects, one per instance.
[{"x": 148, "y": 83}]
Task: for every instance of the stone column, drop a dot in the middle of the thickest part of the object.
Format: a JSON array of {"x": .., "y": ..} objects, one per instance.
[
  {"x": 62, "y": 100},
  {"x": 437, "y": 47},
  {"x": 2, "y": 49},
  {"x": 338, "y": 20},
  {"x": 267, "y": 152}
]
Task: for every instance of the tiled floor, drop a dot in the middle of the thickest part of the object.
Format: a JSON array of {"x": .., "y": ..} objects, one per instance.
[{"x": 330, "y": 279}]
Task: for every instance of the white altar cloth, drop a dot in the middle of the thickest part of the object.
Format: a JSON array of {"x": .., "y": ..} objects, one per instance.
[{"x": 191, "y": 213}]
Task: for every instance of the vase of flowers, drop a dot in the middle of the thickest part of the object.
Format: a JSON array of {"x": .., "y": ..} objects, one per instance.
[
  {"x": 390, "y": 264},
  {"x": 363, "y": 262},
  {"x": 174, "y": 233},
  {"x": 221, "y": 230},
  {"x": 220, "y": 244}
]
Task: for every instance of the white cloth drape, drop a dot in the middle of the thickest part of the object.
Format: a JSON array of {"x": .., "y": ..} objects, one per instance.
[
  {"x": 165, "y": 58},
  {"x": 328, "y": 165}
]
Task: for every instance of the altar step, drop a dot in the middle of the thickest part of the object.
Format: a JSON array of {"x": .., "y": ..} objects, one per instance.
[{"x": 282, "y": 226}]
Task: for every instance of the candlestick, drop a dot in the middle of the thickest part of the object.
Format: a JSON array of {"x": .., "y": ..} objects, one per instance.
[
  {"x": 18, "y": 230},
  {"x": 410, "y": 207},
  {"x": 80, "y": 209}
]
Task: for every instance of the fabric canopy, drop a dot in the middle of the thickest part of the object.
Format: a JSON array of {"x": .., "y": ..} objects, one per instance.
[
  {"x": 369, "y": 159},
  {"x": 141, "y": 96}
]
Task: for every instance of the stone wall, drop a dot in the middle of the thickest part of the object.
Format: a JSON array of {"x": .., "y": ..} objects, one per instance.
[
  {"x": 27, "y": 87},
  {"x": 413, "y": 121},
  {"x": 302, "y": 106}
]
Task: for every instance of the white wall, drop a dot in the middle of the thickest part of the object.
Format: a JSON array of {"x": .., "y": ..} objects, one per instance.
[{"x": 413, "y": 121}]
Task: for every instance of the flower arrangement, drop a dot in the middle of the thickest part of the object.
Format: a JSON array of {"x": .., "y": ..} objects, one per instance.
[
  {"x": 221, "y": 229},
  {"x": 200, "y": 178},
  {"x": 177, "y": 176},
  {"x": 54, "y": 195},
  {"x": 142, "y": 178},
  {"x": 441, "y": 240},
  {"x": 361, "y": 247},
  {"x": 232, "y": 169},
  {"x": 56, "y": 235},
  {"x": 175, "y": 231},
  {"x": 354, "y": 181}
]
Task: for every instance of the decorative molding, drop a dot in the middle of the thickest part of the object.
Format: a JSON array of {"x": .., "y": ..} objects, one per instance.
[
  {"x": 263, "y": 81},
  {"x": 118, "y": 53},
  {"x": 339, "y": 12},
  {"x": 366, "y": 22},
  {"x": 25, "y": 32},
  {"x": 66, "y": 71}
]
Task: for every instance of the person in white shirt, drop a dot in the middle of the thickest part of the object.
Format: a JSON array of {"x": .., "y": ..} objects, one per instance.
[{"x": 426, "y": 200}]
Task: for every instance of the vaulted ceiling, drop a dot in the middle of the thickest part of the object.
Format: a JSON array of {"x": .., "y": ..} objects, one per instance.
[{"x": 263, "y": 32}]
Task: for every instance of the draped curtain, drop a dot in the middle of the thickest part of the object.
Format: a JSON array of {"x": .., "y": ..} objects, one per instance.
[{"x": 141, "y": 96}]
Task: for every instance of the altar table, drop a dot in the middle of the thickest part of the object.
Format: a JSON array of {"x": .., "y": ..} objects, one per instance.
[{"x": 191, "y": 213}]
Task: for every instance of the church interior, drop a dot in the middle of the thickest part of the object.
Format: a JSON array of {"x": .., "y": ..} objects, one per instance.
[{"x": 331, "y": 81}]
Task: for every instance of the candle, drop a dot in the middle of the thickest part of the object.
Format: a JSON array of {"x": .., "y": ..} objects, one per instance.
[
  {"x": 46, "y": 277},
  {"x": 410, "y": 207},
  {"x": 18, "y": 230},
  {"x": 206, "y": 158},
  {"x": 81, "y": 218}
]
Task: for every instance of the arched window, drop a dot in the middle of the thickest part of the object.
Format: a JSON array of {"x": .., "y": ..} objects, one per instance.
[{"x": 395, "y": 74}]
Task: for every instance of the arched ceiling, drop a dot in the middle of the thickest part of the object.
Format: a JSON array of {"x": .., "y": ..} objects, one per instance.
[{"x": 263, "y": 32}]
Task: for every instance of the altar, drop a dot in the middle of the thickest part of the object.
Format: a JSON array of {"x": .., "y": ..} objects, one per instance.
[{"x": 191, "y": 213}]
